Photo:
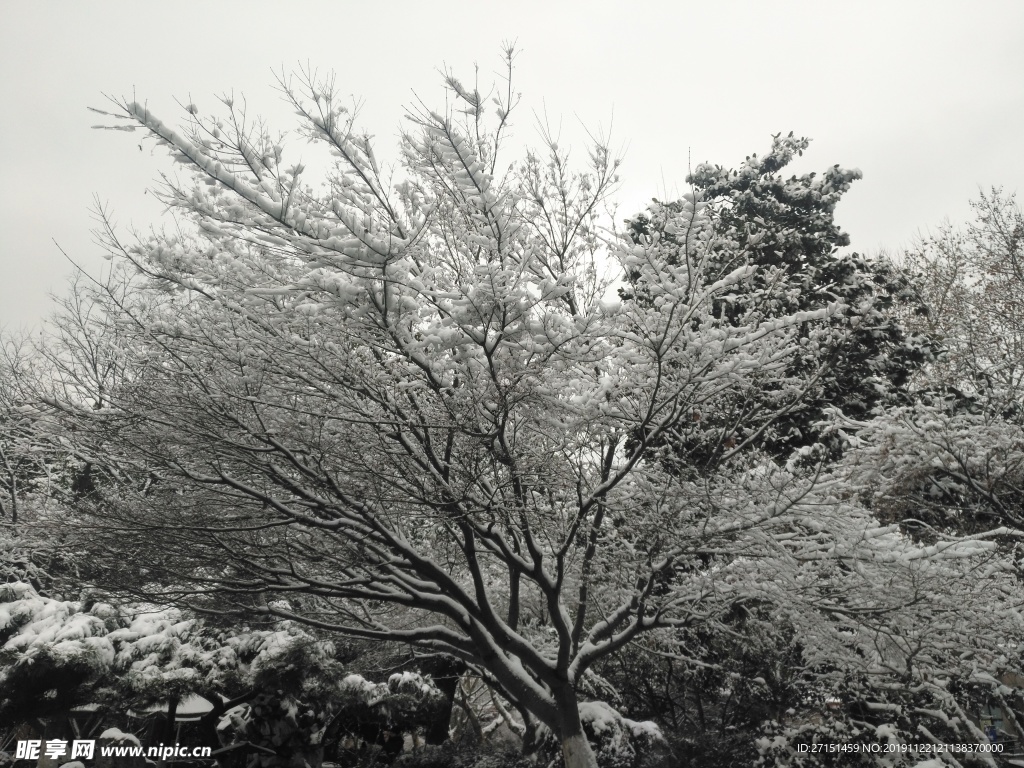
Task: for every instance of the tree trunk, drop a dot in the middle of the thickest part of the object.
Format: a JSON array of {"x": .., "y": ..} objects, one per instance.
[
  {"x": 446, "y": 672},
  {"x": 169, "y": 731},
  {"x": 576, "y": 751}
]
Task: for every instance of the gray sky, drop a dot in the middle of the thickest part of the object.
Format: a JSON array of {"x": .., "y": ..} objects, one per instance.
[{"x": 926, "y": 98}]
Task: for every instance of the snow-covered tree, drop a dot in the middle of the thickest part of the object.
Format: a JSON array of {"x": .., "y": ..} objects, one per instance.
[
  {"x": 950, "y": 461},
  {"x": 400, "y": 406},
  {"x": 25, "y": 459},
  {"x": 971, "y": 279},
  {"x": 954, "y": 459},
  {"x": 787, "y": 230}
]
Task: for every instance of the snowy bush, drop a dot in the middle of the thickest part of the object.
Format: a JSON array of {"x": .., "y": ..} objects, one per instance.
[{"x": 383, "y": 713}]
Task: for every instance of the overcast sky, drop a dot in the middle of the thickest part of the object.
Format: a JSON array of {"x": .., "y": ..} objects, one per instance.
[{"x": 926, "y": 98}]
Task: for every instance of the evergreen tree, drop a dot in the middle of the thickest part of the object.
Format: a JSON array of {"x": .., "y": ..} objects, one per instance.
[{"x": 785, "y": 229}]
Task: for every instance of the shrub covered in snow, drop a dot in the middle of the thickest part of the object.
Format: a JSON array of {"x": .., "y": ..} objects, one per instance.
[
  {"x": 54, "y": 653},
  {"x": 383, "y": 713}
]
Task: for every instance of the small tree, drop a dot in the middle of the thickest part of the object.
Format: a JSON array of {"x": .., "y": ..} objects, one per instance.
[{"x": 25, "y": 459}]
